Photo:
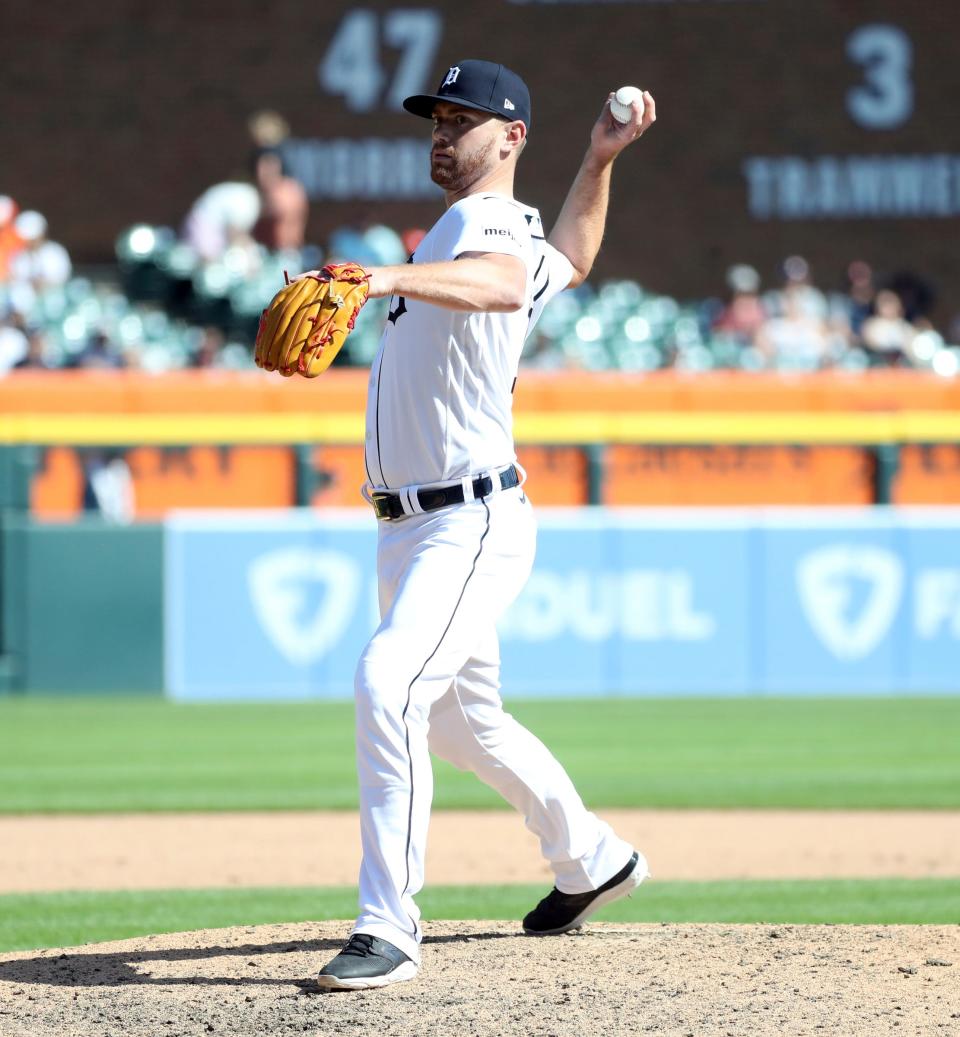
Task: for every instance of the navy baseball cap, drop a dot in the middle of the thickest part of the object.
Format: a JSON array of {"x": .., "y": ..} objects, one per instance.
[{"x": 483, "y": 85}]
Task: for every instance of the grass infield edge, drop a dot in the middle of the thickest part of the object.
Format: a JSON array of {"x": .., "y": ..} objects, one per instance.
[{"x": 30, "y": 921}]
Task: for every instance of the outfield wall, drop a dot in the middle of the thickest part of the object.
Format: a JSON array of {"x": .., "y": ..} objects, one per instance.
[
  {"x": 219, "y": 439},
  {"x": 718, "y": 602},
  {"x": 278, "y": 604},
  {"x": 81, "y": 606}
]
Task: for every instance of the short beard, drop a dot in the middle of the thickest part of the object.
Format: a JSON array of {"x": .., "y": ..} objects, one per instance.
[{"x": 462, "y": 172}]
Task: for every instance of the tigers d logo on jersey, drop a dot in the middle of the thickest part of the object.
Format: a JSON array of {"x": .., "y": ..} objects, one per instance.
[{"x": 452, "y": 74}]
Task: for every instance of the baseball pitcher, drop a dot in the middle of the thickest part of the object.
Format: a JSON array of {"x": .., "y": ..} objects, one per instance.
[{"x": 456, "y": 530}]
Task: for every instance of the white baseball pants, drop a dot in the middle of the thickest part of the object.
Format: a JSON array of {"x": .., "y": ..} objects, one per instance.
[{"x": 429, "y": 681}]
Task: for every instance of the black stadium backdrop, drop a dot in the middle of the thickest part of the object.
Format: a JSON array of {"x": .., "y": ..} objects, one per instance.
[{"x": 823, "y": 127}]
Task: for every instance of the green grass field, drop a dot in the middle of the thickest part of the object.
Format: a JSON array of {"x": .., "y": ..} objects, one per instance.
[
  {"x": 68, "y": 919},
  {"x": 129, "y": 754},
  {"x": 124, "y": 754}
]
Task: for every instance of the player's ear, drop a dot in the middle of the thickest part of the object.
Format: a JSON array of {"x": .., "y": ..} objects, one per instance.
[{"x": 515, "y": 136}]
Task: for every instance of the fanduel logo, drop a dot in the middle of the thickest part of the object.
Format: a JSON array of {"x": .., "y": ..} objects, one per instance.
[
  {"x": 282, "y": 584},
  {"x": 637, "y": 605},
  {"x": 936, "y": 610},
  {"x": 830, "y": 580}
]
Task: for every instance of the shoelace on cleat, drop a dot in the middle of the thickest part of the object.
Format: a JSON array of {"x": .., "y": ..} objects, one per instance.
[{"x": 360, "y": 945}]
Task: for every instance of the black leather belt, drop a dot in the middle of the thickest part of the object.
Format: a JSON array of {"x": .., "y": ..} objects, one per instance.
[{"x": 389, "y": 505}]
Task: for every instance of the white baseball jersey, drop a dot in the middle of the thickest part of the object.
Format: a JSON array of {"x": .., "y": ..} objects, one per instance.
[
  {"x": 429, "y": 678},
  {"x": 439, "y": 403}
]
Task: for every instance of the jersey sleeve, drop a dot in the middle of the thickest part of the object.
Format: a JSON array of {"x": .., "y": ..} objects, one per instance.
[
  {"x": 490, "y": 224},
  {"x": 552, "y": 273}
]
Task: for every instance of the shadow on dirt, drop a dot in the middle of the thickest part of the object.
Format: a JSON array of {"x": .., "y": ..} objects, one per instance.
[{"x": 93, "y": 968}]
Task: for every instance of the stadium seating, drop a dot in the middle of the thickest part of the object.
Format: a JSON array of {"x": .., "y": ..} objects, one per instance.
[{"x": 157, "y": 311}]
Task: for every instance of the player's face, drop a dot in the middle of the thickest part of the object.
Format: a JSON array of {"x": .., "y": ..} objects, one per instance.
[{"x": 466, "y": 145}]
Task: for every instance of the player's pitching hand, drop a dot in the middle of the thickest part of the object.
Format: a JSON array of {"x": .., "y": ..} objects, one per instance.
[{"x": 609, "y": 137}]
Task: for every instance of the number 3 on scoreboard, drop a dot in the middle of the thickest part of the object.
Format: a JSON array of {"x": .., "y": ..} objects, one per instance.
[{"x": 884, "y": 100}]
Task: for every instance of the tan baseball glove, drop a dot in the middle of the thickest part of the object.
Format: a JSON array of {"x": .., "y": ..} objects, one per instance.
[{"x": 308, "y": 320}]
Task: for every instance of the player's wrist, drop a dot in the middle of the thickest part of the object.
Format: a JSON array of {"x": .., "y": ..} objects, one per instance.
[
  {"x": 381, "y": 282},
  {"x": 596, "y": 162}
]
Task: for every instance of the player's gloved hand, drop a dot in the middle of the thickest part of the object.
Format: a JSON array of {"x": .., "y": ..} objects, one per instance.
[{"x": 309, "y": 319}]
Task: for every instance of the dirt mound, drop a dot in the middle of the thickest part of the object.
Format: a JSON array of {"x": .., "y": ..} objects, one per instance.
[{"x": 483, "y": 979}]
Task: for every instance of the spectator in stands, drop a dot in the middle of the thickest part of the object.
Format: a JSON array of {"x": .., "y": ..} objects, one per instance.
[
  {"x": 222, "y": 217},
  {"x": 100, "y": 353},
  {"x": 917, "y": 296},
  {"x": 887, "y": 335},
  {"x": 41, "y": 263},
  {"x": 743, "y": 314},
  {"x": 209, "y": 347},
  {"x": 38, "y": 348},
  {"x": 283, "y": 206},
  {"x": 796, "y": 339},
  {"x": 268, "y": 130},
  {"x": 10, "y": 240},
  {"x": 861, "y": 292},
  {"x": 14, "y": 343},
  {"x": 798, "y": 290},
  {"x": 367, "y": 242}
]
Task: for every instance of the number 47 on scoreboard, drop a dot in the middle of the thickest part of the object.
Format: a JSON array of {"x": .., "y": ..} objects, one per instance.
[{"x": 352, "y": 66}]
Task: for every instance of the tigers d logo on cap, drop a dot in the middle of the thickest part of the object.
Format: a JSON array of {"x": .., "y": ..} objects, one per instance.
[{"x": 483, "y": 85}]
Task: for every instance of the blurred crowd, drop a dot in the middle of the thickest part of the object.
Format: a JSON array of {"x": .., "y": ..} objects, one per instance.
[
  {"x": 191, "y": 297},
  {"x": 186, "y": 297},
  {"x": 796, "y": 325},
  {"x": 793, "y": 325},
  {"x": 31, "y": 266}
]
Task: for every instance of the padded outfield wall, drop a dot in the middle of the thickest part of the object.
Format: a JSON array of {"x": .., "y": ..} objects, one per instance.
[
  {"x": 643, "y": 601},
  {"x": 81, "y": 606},
  {"x": 277, "y": 604},
  {"x": 619, "y": 602}
]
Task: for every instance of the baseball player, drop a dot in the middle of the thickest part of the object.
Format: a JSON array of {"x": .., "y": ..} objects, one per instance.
[{"x": 456, "y": 531}]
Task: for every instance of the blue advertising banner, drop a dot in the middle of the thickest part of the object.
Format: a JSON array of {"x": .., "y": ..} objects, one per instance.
[
  {"x": 266, "y": 605},
  {"x": 655, "y": 602},
  {"x": 628, "y": 605}
]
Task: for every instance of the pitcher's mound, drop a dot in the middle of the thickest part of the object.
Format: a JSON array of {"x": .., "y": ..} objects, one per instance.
[{"x": 484, "y": 979}]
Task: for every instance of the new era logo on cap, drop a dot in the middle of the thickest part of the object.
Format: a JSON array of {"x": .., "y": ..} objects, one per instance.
[{"x": 483, "y": 85}]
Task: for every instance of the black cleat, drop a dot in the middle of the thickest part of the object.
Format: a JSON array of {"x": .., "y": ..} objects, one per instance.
[
  {"x": 366, "y": 961},
  {"x": 560, "y": 912}
]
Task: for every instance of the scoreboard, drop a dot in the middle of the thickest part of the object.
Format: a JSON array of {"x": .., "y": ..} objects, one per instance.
[{"x": 820, "y": 127}]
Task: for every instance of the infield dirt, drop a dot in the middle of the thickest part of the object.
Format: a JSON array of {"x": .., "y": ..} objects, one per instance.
[
  {"x": 181, "y": 851},
  {"x": 484, "y": 979}
]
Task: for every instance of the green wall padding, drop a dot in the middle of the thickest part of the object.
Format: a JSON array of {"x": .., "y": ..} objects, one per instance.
[{"x": 83, "y": 606}]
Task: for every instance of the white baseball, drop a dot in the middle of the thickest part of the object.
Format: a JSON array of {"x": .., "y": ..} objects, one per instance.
[{"x": 620, "y": 104}]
